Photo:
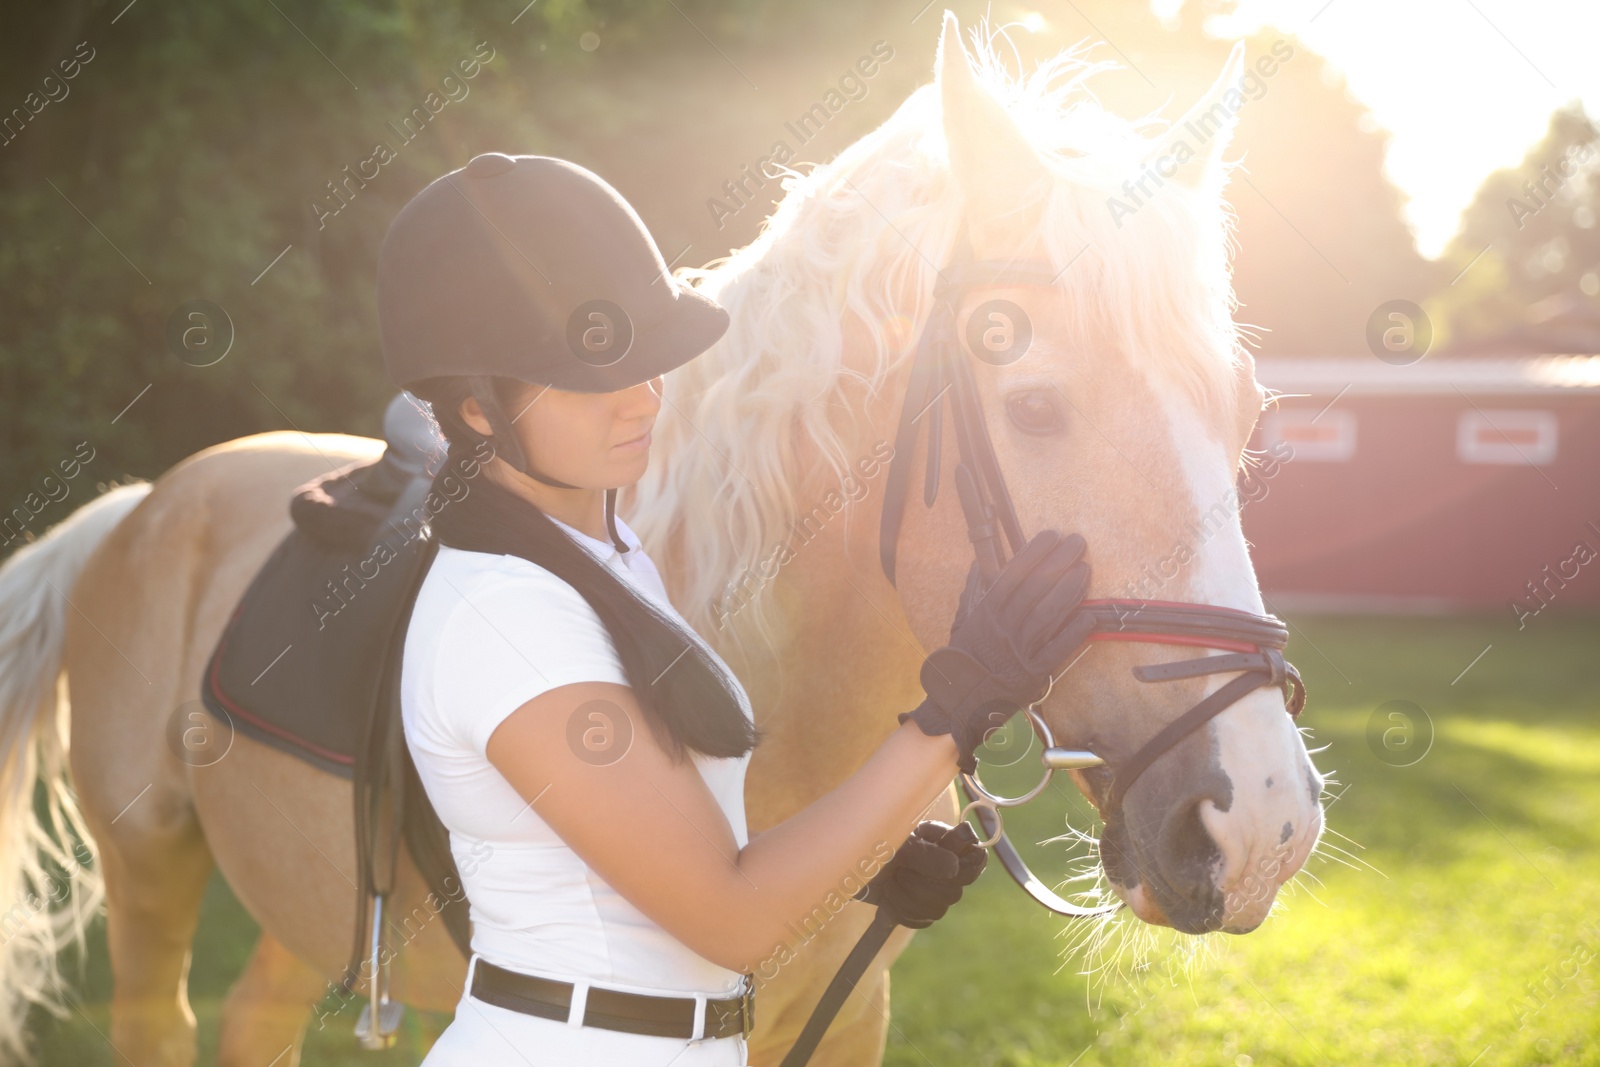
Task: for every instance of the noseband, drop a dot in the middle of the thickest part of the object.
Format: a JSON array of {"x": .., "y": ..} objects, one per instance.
[{"x": 1253, "y": 644}]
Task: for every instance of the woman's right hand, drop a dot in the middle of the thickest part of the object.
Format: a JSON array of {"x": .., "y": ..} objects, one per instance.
[
  {"x": 1005, "y": 643},
  {"x": 926, "y": 875}
]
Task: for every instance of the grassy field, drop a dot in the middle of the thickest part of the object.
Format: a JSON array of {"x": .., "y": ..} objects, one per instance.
[
  {"x": 1473, "y": 878},
  {"x": 1461, "y": 925}
]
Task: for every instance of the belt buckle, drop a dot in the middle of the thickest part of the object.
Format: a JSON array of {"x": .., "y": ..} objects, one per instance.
[{"x": 747, "y": 1006}]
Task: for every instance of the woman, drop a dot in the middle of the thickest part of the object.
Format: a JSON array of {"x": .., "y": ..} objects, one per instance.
[{"x": 584, "y": 748}]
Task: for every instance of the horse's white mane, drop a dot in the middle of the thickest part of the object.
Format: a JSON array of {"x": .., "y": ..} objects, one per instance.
[{"x": 760, "y": 428}]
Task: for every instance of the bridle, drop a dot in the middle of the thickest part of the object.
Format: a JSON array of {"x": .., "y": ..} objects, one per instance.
[{"x": 941, "y": 376}]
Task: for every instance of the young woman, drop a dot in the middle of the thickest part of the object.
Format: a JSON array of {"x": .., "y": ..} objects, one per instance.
[{"x": 585, "y": 749}]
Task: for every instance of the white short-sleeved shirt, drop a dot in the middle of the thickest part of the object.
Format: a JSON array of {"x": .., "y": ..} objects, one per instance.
[{"x": 488, "y": 634}]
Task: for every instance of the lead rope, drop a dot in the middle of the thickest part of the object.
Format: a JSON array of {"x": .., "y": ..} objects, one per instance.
[{"x": 843, "y": 984}]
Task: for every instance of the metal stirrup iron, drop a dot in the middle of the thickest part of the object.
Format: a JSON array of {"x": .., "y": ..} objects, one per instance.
[{"x": 379, "y": 1007}]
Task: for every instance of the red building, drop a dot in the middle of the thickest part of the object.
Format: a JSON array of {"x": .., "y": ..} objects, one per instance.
[{"x": 1445, "y": 484}]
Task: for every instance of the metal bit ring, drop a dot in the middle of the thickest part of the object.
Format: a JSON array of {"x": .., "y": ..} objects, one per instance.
[
  {"x": 999, "y": 826},
  {"x": 1040, "y": 728}
]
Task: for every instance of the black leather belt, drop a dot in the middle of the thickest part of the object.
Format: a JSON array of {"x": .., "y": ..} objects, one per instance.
[{"x": 611, "y": 1009}]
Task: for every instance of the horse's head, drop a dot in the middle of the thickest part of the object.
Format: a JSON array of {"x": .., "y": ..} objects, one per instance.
[{"x": 1125, "y": 418}]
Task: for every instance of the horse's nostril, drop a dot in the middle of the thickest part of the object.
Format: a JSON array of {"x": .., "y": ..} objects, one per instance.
[
  {"x": 1188, "y": 863},
  {"x": 1188, "y": 851}
]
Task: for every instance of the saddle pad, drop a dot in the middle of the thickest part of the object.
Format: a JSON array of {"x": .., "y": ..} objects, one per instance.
[
  {"x": 301, "y": 661},
  {"x": 309, "y": 664}
]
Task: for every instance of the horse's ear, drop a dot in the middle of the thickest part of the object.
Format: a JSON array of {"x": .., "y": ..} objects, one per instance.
[
  {"x": 1200, "y": 137},
  {"x": 1003, "y": 178}
]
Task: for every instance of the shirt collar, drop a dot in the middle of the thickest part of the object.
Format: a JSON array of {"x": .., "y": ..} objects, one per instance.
[{"x": 604, "y": 550}]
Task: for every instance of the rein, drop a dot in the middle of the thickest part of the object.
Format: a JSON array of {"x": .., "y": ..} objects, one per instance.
[{"x": 942, "y": 377}]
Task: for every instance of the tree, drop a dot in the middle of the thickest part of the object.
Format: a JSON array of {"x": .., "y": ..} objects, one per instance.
[{"x": 1527, "y": 257}]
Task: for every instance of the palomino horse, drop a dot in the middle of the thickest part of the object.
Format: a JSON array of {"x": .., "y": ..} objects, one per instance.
[{"x": 1126, "y": 419}]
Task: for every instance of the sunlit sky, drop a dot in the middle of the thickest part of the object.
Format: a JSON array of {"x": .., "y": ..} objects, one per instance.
[{"x": 1465, "y": 87}]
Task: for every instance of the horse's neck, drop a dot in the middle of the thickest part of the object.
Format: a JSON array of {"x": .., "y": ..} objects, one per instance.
[{"x": 831, "y": 671}]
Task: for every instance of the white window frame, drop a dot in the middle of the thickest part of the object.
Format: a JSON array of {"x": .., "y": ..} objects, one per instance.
[
  {"x": 1480, "y": 437},
  {"x": 1340, "y": 449}
]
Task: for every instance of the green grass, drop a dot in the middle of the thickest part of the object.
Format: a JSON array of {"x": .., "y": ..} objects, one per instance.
[
  {"x": 1477, "y": 876},
  {"x": 1474, "y": 880}
]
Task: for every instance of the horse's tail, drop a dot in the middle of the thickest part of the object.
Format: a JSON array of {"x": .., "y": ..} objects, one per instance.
[{"x": 50, "y": 886}]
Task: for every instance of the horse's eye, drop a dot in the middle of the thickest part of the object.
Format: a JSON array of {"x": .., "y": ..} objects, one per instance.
[{"x": 1034, "y": 411}]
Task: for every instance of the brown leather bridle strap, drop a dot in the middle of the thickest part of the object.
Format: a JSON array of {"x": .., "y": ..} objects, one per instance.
[
  {"x": 1128, "y": 771},
  {"x": 941, "y": 376},
  {"x": 1257, "y": 642},
  {"x": 1137, "y": 619}
]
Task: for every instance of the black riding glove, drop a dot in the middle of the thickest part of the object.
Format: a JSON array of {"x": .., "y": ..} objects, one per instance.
[
  {"x": 927, "y": 873},
  {"x": 1005, "y": 643}
]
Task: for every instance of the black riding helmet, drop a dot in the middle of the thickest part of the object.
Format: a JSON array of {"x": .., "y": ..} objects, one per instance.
[{"x": 532, "y": 268}]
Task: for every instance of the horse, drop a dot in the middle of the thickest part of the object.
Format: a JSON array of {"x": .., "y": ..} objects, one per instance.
[{"x": 1127, "y": 419}]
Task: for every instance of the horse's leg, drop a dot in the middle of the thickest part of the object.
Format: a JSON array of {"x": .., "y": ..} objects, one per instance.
[
  {"x": 282, "y": 835},
  {"x": 270, "y": 1006},
  {"x": 125, "y": 683},
  {"x": 267, "y": 1009},
  {"x": 155, "y": 873}
]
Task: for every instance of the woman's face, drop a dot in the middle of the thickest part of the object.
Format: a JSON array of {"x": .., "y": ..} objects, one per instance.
[{"x": 590, "y": 440}]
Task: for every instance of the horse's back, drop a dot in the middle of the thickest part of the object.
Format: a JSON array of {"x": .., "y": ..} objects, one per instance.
[
  {"x": 243, "y": 485},
  {"x": 154, "y": 597},
  {"x": 219, "y": 510}
]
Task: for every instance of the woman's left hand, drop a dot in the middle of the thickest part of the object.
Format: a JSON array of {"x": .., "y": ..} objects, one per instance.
[{"x": 927, "y": 873}]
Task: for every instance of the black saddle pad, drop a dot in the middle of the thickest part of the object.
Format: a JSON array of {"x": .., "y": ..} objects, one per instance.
[
  {"x": 309, "y": 663},
  {"x": 302, "y": 660}
]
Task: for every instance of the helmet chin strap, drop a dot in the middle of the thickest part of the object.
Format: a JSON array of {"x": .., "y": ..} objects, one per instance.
[
  {"x": 512, "y": 453},
  {"x": 611, "y": 521}
]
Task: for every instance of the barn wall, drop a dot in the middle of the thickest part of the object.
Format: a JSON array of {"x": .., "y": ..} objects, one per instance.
[{"x": 1406, "y": 520}]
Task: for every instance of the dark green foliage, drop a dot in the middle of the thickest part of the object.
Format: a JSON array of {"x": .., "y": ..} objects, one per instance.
[{"x": 198, "y": 139}]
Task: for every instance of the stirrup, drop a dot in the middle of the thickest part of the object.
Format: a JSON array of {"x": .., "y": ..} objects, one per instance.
[{"x": 379, "y": 1007}]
